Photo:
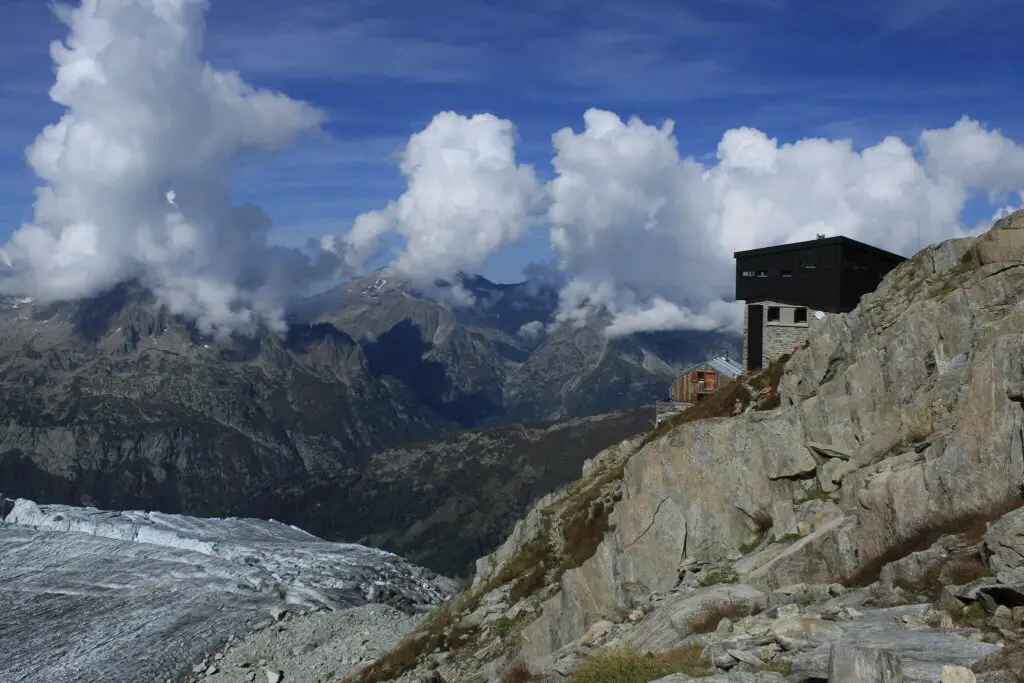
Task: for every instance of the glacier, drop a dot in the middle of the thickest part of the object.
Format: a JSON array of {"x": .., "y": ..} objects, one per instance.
[{"x": 95, "y": 595}]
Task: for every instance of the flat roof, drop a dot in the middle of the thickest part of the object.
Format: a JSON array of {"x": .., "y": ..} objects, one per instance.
[{"x": 825, "y": 242}]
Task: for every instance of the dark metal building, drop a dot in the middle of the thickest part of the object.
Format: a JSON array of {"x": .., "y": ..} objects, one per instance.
[{"x": 828, "y": 274}]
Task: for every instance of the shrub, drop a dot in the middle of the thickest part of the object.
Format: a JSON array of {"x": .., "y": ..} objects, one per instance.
[
  {"x": 686, "y": 660},
  {"x": 502, "y": 626},
  {"x": 975, "y": 611},
  {"x": 962, "y": 570},
  {"x": 714, "y": 613},
  {"x": 529, "y": 584}
]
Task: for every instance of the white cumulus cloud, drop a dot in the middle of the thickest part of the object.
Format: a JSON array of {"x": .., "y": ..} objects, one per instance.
[
  {"x": 134, "y": 172},
  {"x": 649, "y": 235},
  {"x": 466, "y": 199},
  {"x": 646, "y": 234},
  {"x": 133, "y": 186}
]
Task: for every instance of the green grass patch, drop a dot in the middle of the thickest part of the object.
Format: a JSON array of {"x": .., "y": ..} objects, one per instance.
[
  {"x": 627, "y": 666},
  {"x": 502, "y": 626}
]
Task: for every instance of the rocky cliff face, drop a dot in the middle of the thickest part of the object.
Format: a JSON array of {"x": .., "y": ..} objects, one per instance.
[{"x": 897, "y": 423}]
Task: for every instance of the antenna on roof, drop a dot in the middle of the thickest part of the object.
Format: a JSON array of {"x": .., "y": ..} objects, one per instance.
[{"x": 821, "y": 235}]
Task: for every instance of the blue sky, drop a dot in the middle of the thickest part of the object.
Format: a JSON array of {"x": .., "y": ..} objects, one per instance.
[{"x": 793, "y": 68}]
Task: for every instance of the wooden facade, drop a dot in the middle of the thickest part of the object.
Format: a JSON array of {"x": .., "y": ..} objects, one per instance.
[{"x": 702, "y": 379}]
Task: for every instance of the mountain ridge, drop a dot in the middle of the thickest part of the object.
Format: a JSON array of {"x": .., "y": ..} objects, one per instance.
[{"x": 114, "y": 401}]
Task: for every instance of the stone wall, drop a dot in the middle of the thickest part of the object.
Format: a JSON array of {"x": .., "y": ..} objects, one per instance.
[{"x": 779, "y": 336}]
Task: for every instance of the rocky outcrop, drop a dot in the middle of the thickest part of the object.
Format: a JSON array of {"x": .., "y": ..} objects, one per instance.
[
  {"x": 920, "y": 385},
  {"x": 897, "y": 438}
]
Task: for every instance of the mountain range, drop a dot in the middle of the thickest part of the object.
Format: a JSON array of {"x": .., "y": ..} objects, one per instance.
[{"x": 113, "y": 401}]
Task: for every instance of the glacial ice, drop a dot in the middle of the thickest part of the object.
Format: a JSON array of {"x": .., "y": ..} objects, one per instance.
[{"x": 93, "y": 595}]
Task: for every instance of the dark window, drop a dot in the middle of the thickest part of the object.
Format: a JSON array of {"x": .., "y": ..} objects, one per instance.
[
  {"x": 787, "y": 273},
  {"x": 773, "y": 314},
  {"x": 748, "y": 273},
  {"x": 700, "y": 375},
  {"x": 799, "y": 315},
  {"x": 762, "y": 273},
  {"x": 808, "y": 265}
]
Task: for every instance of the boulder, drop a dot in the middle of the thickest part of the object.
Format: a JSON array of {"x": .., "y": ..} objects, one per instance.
[
  {"x": 810, "y": 629},
  {"x": 699, "y": 611},
  {"x": 1003, "y": 243},
  {"x": 1004, "y": 542},
  {"x": 596, "y": 633},
  {"x": 851, "y": 664},
  {"x": 957, "y": 674},
  {"x": 922, "y": 653}
]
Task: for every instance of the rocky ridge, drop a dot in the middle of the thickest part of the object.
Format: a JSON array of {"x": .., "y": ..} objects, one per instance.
[
  {"x": 472, "y": 365},
  {"x": 868, "y": 523}
]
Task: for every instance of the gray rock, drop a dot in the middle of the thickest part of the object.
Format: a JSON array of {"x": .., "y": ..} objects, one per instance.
[
  {"x": 850, "y": 664},
  {"x": 274, "y": 676},
  {"x": 783, "y": 519},
  {"x": 724, "y": 660},
  {"x": 922, "y": 653},
  {"x": 811, "y": 629},
  {"x": 829, "y": 451},
  {"x": 746, "y": 657},
  {"x": 696, "y": 612},
  {"x": 686, "y": 614},
  {"x": 957, "y": 674},
  {"x": 743, "y": 677}
]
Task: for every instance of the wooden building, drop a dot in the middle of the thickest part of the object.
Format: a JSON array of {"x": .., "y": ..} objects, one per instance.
[
  {"x": 789, "y": 287},
  {"x": 701, "y": 379}
]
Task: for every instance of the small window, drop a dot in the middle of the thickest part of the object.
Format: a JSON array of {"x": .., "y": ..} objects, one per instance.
[
  {"x": 748, "y": 273},
  {"x": 700, "y": 376},
  {"x": 800, "y": 316},
  {"x": 807, "y": 265},
  {"x": 787, "y": 273},
  {"x": 762, "y": 273},
  {"x": 774, "y": 313}
]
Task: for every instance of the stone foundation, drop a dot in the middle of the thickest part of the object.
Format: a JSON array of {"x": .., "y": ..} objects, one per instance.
[{"x": 782, "y": 335}]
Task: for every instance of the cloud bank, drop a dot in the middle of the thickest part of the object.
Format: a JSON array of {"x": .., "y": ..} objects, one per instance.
[
  {"x": 647, "y": 235},
  {"x": 134, "y": 187},
  {"x": 134, "y": 172}
]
